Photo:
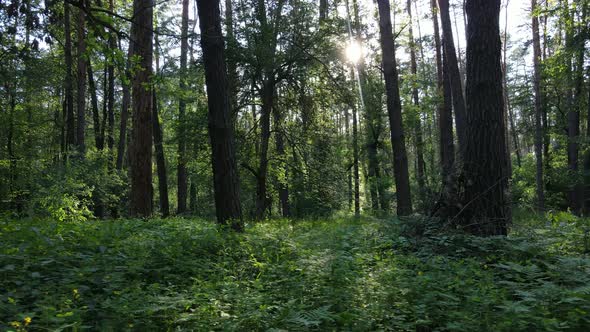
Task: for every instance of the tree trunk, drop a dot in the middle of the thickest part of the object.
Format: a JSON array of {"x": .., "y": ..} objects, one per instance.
[
  {"x": 356, "y": 175},
  {"x": 225, "y": 172},
  {"x": 283, "y": 181},
  {"x": 160, "y": 160},
  {"x": 538, "y": 109},
  {"x": 444, "y": 110},
  {"x": 111, "y": 90},
  {"x": 420, "y": 175},
  {"x": 81, "y": 100},
  {"x": 141, "y": 143},
  {"x": 99, "y": 140},
  {"x": 323, "y": 10},
  {"x": 125, "y": 109},
  {"x": 182, "y": 159},
  {"x": 400, "y": 163},
  {"x": 267, "y": 101},
  {"x": 69, "y": 93},
  {"x": 453, "y": 70},
  {"x": 486, "y": 207}
]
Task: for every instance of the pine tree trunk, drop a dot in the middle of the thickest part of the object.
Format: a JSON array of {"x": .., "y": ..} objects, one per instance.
[
  {"x": 182, "y": 176},
  {"x": 81, "y": 97},
  {"x": 444, "y": 110},
  {"x": 400, "y": 163},
  {"x": 141, "y": 143},
  {"x": 225, "y": 172},
  {"x": 486, "y": 206},
  {"x": 453, "y": 70},
  {"x": 538, "y": 109},
  {"x": 420, "y": 174},
  {"x": 69, "y": 79},
  {"x": 160, "y": 160},
  {"x": 125, "y": 110},
  {"x": 99, "y": 140},
  {"x": 283, "y": 187}
]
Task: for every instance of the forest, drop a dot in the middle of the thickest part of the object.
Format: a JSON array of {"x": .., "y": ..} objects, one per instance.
[{"x": 294, "y": 165}]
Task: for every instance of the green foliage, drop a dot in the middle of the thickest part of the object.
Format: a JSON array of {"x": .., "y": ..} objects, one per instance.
[
  {"x": 367, "y": 275},
  {"x": 72, "y": 192}
]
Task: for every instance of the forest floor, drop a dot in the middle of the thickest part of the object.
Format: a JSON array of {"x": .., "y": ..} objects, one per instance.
[{"x": 340, "y": 274}]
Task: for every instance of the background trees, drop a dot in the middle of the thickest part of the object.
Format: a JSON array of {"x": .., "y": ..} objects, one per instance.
[{"x": 311, "y": 136}]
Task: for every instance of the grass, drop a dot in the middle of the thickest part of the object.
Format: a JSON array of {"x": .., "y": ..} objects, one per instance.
[{"x": 368, "y": 275}]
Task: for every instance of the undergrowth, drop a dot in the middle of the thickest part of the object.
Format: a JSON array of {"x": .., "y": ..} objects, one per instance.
[{"x": 388, "y": 275}]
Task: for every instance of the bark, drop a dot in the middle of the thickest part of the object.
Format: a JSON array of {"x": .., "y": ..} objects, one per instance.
[
  {"x": 587, "y": 161},
  {"x": 231, "y": 63},
  {"x": 453, "y": 70},
  {"x": 486, "y": 207},
  {"x": 355, "y": 152},
  {"x": 69, "y": 79},
  {"x": 160, "y": 160},
  {"x": 124, "y": 110},
  {"x": 400, "y": 163},
  {"x": 182, "y": 159},
  {"x": 323, "y": 10},
  {"x": 444, "y": 109},
  {"x": 267, "y": 100},
  {"x": 283, "y": 187},
  {"x": 81, "y": 96},
  {"x": 420, "y": 174},
  {"x": 225, "y": 173},
  {"x": 98, "y": 138},
  {"x": 111, "y": 90},
  {"x": 538, "y": 108},
  {"x": 349, "y": 169},
  {"x": 141, "y": 143}
]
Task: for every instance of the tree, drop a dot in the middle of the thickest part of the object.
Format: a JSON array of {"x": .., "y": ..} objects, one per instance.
[
  {"x": 225, "y": 173},
  {"x": 400, "y": 163},
  {"x": 538, "y": 108},
  {"x": 452, "y": 68},
  {"x": 486, "y": 207},
  {"x": 416, "y": 100},
  {"x": 182, "y": 158},
  {"x": 69, "y": 119},
  {"x": 444, "y": 109},
  {"x": 82, "y": 63},
  {"x": 141, "y": 143}
]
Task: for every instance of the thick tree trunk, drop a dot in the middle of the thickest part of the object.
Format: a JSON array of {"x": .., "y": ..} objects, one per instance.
[
  {"x": 160, "y": 160},
  {"x": 400, "y": 163},
  {"x": 141, "y": 143},
  {"x": 538, "y": 109},
  {"x": 486, "y": 207},
  {"x": 69, "y": 79},
  {"x": 453, "y": 70},
  {"x": 182, "y": 176},
  {"x": 225, "y": 172},
  {"x": 81, "y": 100},
  {"x": 420, "y": 174}
]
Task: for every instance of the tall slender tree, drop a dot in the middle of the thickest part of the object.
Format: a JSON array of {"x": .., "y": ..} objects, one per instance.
[
  {"x": 182, "y": 158},
  {"x": 81, "y": 93},
  {"x": 225, "y": 173},
  {"x": 452, "y": 68},
  {"x": 538, "y": 107},
  {"x": 394, "y": 109}
]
